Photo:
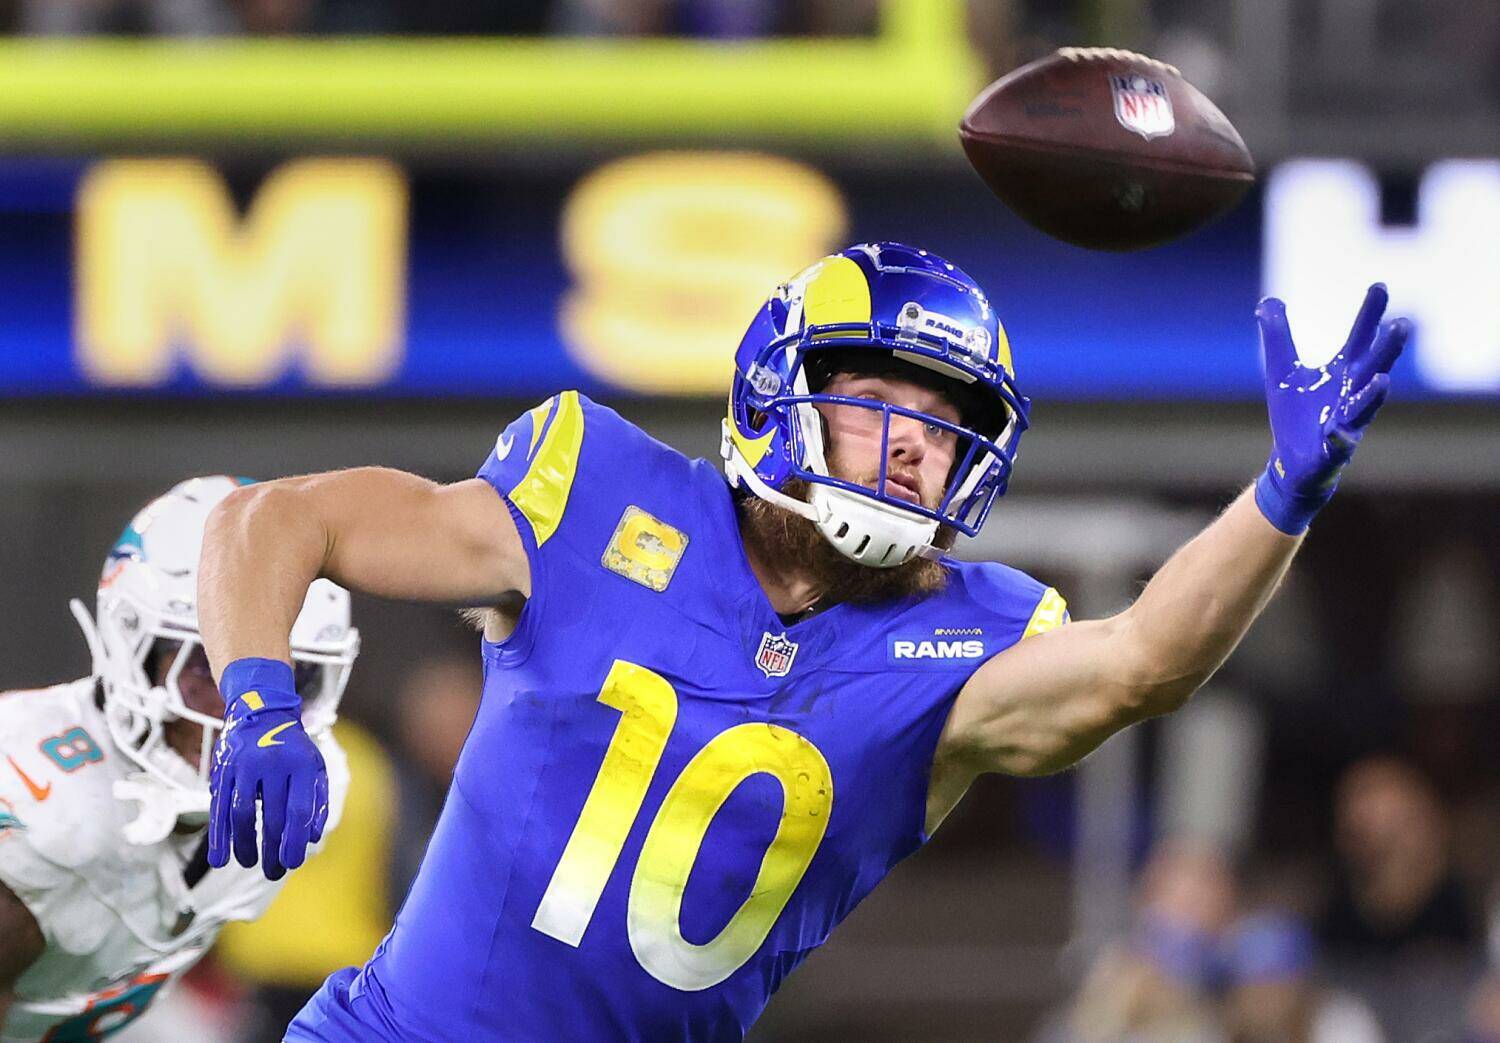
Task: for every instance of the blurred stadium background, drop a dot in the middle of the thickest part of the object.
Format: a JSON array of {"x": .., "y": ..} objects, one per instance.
[{"x": 275, "y": 236}]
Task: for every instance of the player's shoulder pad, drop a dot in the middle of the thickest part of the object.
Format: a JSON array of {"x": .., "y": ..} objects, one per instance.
[
  {"x": 57, "y": 809},
  {"x": 560, "y": 459},
  {"x": 1023, "y": 605},
  {"x": 36, "y": 710}
]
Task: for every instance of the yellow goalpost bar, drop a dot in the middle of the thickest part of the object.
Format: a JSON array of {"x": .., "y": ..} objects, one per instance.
[{"x": 913, "y": 79}]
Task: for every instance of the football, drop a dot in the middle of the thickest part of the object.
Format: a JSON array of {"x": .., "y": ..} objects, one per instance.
[{"x": 1106, "y": 149}]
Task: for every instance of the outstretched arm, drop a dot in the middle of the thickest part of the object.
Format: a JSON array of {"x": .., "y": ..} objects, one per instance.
[
  {"x": 1046, "y": 702},
  {"x": 1043, "y": 704}
]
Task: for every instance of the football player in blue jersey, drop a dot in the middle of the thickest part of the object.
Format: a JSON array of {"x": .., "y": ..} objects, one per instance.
[{"x": 715, "y": 714}]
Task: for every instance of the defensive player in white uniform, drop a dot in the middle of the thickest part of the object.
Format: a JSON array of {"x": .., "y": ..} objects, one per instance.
[{"x": 105, "y": 891}]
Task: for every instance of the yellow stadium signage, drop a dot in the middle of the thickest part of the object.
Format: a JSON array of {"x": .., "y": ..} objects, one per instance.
[
  {"x": 671, "y": 254},
  {"x": 167, "y": 273}
]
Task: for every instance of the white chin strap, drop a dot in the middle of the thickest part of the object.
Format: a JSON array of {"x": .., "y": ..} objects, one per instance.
[{"x": 862, "y": 529}]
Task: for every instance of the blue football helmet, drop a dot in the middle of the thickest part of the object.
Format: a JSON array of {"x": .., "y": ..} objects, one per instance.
[{"x": 884, "y": 305}]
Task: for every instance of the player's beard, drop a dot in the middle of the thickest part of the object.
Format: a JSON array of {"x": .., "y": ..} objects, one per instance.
[{"x": 774, "y": 534}]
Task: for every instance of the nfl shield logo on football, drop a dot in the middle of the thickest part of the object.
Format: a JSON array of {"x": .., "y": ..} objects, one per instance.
[
  {"x": 1142, "y": 105},
  {"x": 776, "y": 654}
]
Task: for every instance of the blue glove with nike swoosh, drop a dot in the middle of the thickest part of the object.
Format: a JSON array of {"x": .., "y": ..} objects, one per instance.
[
  {"x": 1318, "y": 416},
  {"x": 265, "y": 754}
]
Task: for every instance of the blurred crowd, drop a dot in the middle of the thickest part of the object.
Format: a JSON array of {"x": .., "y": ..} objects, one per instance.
[
  {"x": 724, "y": 19},
  {"x": 1394, "y": 941},
  {"x": 1341, "y": 54}
]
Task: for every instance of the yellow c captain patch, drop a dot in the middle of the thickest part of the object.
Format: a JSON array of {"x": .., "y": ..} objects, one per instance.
[
  {"x": 1051, "y": 613},
  {"x": 645, "y": 549}
]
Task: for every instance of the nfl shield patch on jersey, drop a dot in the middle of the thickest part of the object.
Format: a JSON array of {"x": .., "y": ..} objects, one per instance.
[{"x": 775, "y": 654}]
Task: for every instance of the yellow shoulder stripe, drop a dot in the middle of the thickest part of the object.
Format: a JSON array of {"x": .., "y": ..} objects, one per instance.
[
  {"x": 542, "y": 494},
  {"x": 1051, "y": 613},
  {"x": 538, "y": 421}
]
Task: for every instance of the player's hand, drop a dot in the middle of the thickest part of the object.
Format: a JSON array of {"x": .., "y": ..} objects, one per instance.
[
  {"x": 1318, "y": 416},
  {"x": 264, "y": 754}
]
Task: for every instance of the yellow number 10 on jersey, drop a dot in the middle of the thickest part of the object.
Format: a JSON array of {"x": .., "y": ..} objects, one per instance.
[{"x": 653, "y": 918}]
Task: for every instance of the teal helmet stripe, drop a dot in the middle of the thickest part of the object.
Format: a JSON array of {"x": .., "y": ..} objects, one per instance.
[{"x": 129, "y": 545}]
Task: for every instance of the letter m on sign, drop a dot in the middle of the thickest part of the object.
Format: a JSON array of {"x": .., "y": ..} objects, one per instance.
[{"x": 166, "y": 270}]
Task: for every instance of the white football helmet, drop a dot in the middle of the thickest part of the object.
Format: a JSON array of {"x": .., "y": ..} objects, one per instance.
[{"x": 148, "y": 594}]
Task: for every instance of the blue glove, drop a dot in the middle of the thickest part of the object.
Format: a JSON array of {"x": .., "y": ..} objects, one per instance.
[
  {"x": 1318, "y": 416},
  {"x": 264, "y": 753}
]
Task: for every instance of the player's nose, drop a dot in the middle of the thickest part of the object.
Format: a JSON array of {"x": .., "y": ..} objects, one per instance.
[{"x": 906, "y": 442}]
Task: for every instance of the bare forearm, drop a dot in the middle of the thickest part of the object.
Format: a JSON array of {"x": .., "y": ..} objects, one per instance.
[
  {"x": 259, "y": 556},
  {"x": 371, "y": 529},
  {"x": 1199, "y": 604}
]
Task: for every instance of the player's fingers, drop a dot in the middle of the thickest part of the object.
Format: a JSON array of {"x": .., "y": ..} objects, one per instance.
[
  {"x": 1364, "y": 405},
  {"x": 1275, "y": 339},
  {"x": 299, "y": 816},
  {"x": 1389, "y": 343},
  {"x": 320, "y": 808},
  {"x": 294, "y": 846},
  {"x": 273, "y": 817},
  {"x": 242, "y": 820},
  {"x": 1366, "y": 322},
  {"x": 1342, "y": 442},
  {"x": 218, "y": 819}
]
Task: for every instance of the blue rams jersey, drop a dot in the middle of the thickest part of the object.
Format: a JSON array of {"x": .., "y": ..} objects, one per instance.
[{"x": 669, "y": 796}]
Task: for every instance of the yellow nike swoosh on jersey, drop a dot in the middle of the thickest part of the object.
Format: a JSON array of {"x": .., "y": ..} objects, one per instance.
[{"x": 269, "y": 739}]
